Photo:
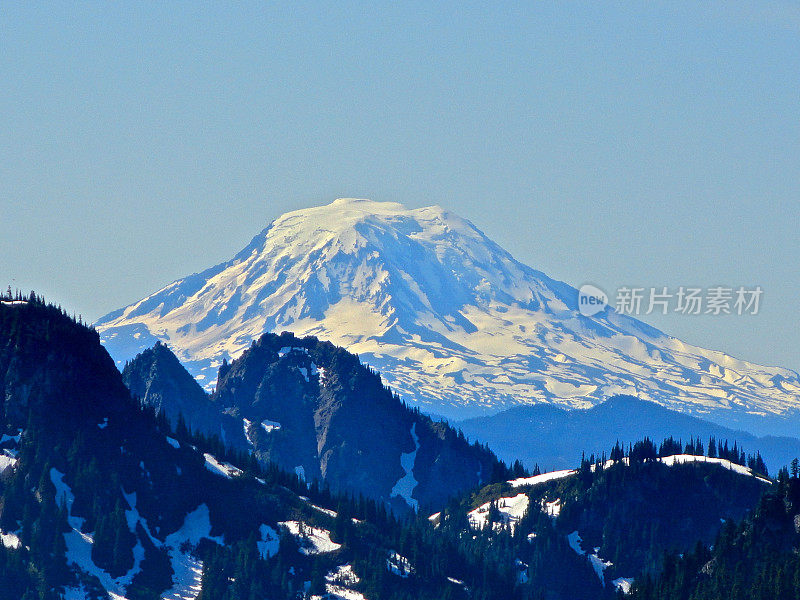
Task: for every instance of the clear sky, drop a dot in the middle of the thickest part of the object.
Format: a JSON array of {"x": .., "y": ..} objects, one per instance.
[{"x": 644, "y": 144}]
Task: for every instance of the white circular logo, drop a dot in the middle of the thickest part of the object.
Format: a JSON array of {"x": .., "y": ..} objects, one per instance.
[{"x": 591, "y": 300}]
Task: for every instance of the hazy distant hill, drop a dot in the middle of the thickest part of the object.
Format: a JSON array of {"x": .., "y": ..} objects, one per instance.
[{"x": 555, "y": 438}]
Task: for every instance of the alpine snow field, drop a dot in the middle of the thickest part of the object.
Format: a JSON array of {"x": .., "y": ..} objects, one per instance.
[{"x": 452, "y": 321}]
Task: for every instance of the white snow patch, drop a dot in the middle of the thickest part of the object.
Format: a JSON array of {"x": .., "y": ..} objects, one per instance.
[
  {"x": 246, "y": 426},
  {"x": 79, "y": 593},
  {"x": 270, "y": 426},
  {"x": 338, "y": 584},
  {"x": 9, "y": 540},
  {"x": 11, "y": 438},
  {"x": 300, "y": 472},
  {"x": 598, "y": 564},
  {"x": 731, "y": 466},
  {"x": 325, "y": 511},
  {"x": 313, "y": 540},
  {"x": 536, "y": 479},
  {"x": 134, "y": 518},
  {"x": 343, "y": 575},
  {"x": 7, "y": 461},
  {"x": 510, "y": 509},
  {"x": 221, "y": 468},
  {"x": 623, "y": 584},
  {"x": 406, "y": 484},
  {"x": 104, "y": 424},
  {"x": 399, "y": 565},
  {"x": 187, "y": 578},
  {"x": 522, "y": 571},
  {"x": 174, "y": 443},
  {"x": 679, "y": 459},
  {"x": 188, "y": 570},
  {"x": 287, "y": 349},
  {"x": 574, "y": 541},
  {"x": 553, "y": 508},
  {"x": 269, "y": 542},
  {"x": 79, "y": 544}
]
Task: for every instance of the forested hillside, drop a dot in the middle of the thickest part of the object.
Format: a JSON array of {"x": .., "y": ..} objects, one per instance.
[
  {"x": 99, "y": 498},
  {"x": 757, "y": 558},
  {"x": 314, "y": 409}
]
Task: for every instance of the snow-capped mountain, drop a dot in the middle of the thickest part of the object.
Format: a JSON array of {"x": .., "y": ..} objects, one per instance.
[{"x": 451, "y": 320}]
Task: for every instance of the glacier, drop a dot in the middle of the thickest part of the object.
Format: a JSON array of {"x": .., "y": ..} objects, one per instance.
[{"x": 452, "y": 321}]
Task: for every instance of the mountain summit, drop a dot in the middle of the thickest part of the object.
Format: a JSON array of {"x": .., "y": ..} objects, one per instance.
[{"x": 451, "y": 320}]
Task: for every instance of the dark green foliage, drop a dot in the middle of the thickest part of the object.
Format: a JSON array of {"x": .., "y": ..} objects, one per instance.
[
  {"x": 156, "y": 573},
  {"x": 349, "y": 429},
  {"x": 754, "y": 560},
  {"x": 113, "y": 542},
  {"x": 159, "y": 381},
  {"x": 635, "y": 513},
  {"x": 81, "y": 426}
]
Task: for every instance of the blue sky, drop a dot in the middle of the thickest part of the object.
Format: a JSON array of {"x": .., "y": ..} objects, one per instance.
[{"x": 620, "y": 144}]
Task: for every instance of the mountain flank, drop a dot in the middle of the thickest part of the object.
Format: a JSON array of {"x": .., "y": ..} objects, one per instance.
[{"x": 453, "y": 322}]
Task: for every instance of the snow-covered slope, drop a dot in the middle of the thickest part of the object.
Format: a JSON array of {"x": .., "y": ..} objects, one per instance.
[{"x": 452, "y": 321}]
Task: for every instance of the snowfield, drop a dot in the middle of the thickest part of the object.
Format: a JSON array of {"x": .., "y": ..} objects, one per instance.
[
  {"x": 553, "y": 508},
  {"x": 9, "y": 456},
  {"x": 510, "y": 511},
  {"x": 179, "y": 545},
  {"x": 451, "y": 320},
  {"x": 11, "y": 438},
  {"x": 188, "y": 570},
  {"x": 623, "y": 584},
  {"x": 598, "y": 564},
  {"x": 690, "y": 458},
  {"x": 223, "y": 469},
  {"x": 7, "y": 461},
  {"x": 79, "y": 544},
  {"x": 313, "y": 540},
  {"x": 676, "y": 459},
  {"x": 269, "y": 541},
  {"x": 406, "y": 484},
  {"x": 9, "y": 540},
  {"x": 399, "y": 565},
  {"x": 338, "y": 584},
  {"x": 270, "y": 426},
  {"x": 543, "y": 478}
]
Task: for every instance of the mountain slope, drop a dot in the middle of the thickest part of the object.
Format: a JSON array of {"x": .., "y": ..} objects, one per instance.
[
  {"x": 588, "y": 532},
  {"x": 453, "y": 322},
  {"x": 753, "y": 559},
  {"x": 555, "y": 438},
  {"x": 98, "y": 501},
  {"x": 158, "y": 380},
  {"x": 314, "y": 409}
]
